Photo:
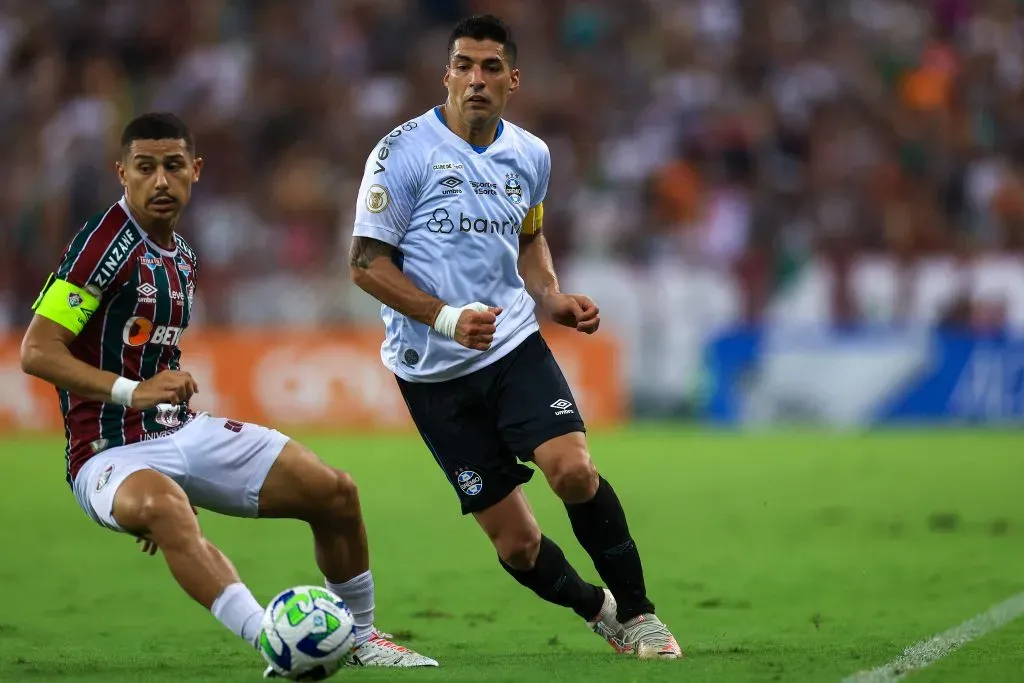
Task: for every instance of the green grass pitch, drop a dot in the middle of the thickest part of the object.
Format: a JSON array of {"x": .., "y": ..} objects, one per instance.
[{"x": 773, "y": 557}]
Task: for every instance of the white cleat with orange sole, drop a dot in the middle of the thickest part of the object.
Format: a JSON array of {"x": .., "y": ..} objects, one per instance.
[
  {"x": 379, "y": 651},
  {"x": 607, "y": 625},
  {"x": 648, "y": 638}
]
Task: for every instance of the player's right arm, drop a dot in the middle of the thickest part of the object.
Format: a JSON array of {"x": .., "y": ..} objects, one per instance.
[
  {"x": 45, "y": 354},
  {"x": 63, "y": 309},
  {"x": 387, "y": 198},
  {"x": 374, "y": 271}
]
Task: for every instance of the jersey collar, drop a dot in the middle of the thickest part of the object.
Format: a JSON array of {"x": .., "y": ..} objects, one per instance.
[
  {"x": 123, "y": 203},
  {"x": 476, "y": 148}
]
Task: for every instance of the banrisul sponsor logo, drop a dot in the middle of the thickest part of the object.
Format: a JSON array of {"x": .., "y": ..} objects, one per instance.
[
  {"x": 484, "y": 225},
  {"x": 442, "y": 222}
]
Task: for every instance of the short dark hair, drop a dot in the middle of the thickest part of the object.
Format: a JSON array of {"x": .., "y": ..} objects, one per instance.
[
  {"x": 157, "y": 126},
  {"x": 485, "y": 27}
]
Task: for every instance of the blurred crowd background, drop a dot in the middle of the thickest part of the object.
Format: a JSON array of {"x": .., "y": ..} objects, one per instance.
[{"x": 745, "y": 137}]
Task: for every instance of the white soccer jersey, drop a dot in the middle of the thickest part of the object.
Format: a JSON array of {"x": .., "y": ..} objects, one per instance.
[{"x": 454, "y": 212}]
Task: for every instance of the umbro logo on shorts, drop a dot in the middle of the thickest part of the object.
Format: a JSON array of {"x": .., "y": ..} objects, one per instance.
[{"x": 562, "y": 407}]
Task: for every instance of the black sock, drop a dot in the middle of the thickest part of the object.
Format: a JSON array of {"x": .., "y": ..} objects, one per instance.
[
  {"x": 553, "y": 579},
  {"x": 600, "y": 526}
]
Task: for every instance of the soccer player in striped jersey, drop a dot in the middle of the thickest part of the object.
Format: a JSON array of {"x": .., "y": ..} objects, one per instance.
[{"x": 105, "y": 332}]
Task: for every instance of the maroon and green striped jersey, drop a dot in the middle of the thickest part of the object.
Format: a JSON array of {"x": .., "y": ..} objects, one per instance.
[{"x": 145, "y": 303}]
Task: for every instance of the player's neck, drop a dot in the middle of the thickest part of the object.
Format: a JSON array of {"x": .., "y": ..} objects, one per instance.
[
  {"x": 477, "y": 136},
  {"x": 160, "y": 232}
]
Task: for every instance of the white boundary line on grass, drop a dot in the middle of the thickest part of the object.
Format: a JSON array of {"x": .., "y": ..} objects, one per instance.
[{"x": 928, "y": 651}]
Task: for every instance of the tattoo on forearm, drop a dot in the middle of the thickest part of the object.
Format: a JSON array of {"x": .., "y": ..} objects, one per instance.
[{"x": 365, "y": 249}]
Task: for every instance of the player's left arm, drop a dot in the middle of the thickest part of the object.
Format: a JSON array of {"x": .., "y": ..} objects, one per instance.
[
  {"x": 535, "y": 264},
  {"x": 538, "y": 272},
  {"x": 538, "y": 269}
]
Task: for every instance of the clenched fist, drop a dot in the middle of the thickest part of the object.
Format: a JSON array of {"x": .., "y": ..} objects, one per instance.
[
  {"x": 475, "y": 329},
  {"x": 169, "y": 386}
]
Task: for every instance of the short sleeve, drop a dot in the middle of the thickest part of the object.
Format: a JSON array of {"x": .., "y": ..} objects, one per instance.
[
  {"x": 540, "y": 189},
  {"x": 388, "y": 191},
  {"x": 92, "y": 265},
  {"x": 95, "y": 256}
]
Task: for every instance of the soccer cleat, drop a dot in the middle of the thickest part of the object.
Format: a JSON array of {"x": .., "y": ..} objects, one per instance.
[
  {"x": 379, "y": 651},
  {"x": 649, "y": 638},
  {"x": 606, "y": 625}
]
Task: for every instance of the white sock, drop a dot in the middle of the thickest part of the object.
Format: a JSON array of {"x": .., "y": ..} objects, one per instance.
[
  {"x": 358, "y": 595},
  {"x": 237, "y": 609}
]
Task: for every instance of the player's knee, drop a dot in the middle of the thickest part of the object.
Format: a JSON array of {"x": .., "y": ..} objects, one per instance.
[
  {"x": 574, "y": 478},
  {"x": 162, "y": 514},
  {"x": 518, "y": 548},
  {"x": 342, "y": 496}
]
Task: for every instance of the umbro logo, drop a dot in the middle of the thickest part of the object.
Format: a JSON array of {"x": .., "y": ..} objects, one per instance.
[
  {"x": 562, "y": 407},
  {"x": 147, "y": 293},
  {"x": 452, "y": 183}
]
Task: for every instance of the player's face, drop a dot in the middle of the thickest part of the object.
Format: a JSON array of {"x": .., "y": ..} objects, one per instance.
[
  {"x": 479, "y": 79},
  {"x": 157, "y": 176}
]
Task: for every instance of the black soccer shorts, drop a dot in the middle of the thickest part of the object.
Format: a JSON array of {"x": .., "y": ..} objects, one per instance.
[{"x": 481, "y": 427}]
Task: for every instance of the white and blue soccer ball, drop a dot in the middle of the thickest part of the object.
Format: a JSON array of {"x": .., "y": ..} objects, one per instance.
[{"x": 307, "y": 633}]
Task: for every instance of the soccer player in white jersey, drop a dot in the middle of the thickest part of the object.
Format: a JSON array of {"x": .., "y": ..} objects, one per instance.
[
  {"x": 448, "y": 237},
  {"x": 105, "y": 333}
]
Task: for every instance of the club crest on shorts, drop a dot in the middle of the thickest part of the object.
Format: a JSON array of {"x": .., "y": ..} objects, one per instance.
[
  {"x": 74, "y": 299},
  {"x": 470, "y": 482},
  {"x": 104, "y": 477}
]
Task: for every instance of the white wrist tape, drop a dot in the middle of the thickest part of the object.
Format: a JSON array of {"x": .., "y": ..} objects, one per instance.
[
  {"x": 122, "y": 391},
  {"x": 448, "y": 318}
]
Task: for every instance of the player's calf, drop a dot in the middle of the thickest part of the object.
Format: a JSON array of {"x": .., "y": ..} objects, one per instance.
[
  {"x": 598, "y": 521},
  {"x": 151, "y": 505},
  {"x": 534, "y": 560},
  {"x": 301, "y": 486},
  {"x": 517, "y": 542}
]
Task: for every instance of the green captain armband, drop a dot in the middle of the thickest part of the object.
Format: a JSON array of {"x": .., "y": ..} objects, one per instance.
[{"x": 68, "y": 305}]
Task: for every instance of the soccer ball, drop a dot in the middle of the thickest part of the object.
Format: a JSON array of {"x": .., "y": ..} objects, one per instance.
[{"x": 307, "y": 633}]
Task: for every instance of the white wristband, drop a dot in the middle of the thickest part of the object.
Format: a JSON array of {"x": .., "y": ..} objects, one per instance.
[
  {"x": 448, "y": 318},
  {"x": 121, "y": 392}
]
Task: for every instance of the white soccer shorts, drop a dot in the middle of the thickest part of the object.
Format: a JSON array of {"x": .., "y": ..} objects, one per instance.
[{"x": 221, "y": 465}]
